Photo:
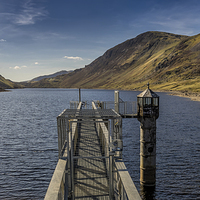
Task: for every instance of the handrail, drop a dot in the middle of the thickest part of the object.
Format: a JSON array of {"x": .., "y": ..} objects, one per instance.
[
  {"x": 125, "y": 107},
  {"x": 123, "y": 185},
  {"x": 74, "y": 104},
  {"x": 57, "y": 187},
  {"x": 124, "y": 188},
  {"x": 62, "y": 124},
  {"x": 102, "y": 133}
]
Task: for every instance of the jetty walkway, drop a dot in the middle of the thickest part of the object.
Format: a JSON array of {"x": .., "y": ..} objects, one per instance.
[
  {"x": 90, "y": 180},
  {"x": 90, "y": 164}
]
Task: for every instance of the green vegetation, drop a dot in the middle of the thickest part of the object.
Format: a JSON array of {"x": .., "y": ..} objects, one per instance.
[{"x": 5, "y": 84}]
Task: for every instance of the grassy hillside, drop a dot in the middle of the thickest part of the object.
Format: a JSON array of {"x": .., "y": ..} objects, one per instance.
[
  {"x": 6, "y": 84},
  {"x": 50, "y": 75},
  {"x": 167, "y": 61}
]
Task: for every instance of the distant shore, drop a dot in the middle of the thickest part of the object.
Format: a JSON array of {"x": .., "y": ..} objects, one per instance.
[
  {"x": 4, "y": 90},
  {"x": 192, "y": 96}
]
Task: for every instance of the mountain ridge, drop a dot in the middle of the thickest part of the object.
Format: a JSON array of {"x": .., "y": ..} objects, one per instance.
[
  {"x": 125, "y": 65},
  {"x": 7, "y": 84},
  {"x": 39, "y": 78},
  {"x": 169, "y": 62}
]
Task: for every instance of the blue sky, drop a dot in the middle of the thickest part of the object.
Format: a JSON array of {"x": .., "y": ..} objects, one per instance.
[{"x": 39, "y": 37}]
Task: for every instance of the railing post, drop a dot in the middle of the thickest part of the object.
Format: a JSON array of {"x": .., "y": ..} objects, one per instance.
[
  {"x": 111, "y": 185},
  {"x": 59, "y": 136},
  {"x": 69, "y": 163},
  {"x": 72, "y": 162},
  {"x": 66, "y": 194},
  {"x": 79, "y": 95},
  {"x": 117, "y": 101}
]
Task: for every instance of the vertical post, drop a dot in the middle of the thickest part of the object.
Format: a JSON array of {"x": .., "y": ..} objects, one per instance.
[
  {"x": 66, "y": 193},
  {"x": 59, "y": 136},
  {"x": 111, "y": 185},
  {"x": 79, "y": 95},
  {"x": 72, "y": 161},
  {"x": 69, "y": 160},
  {"x": 117, "y": 101},
  {"x": 125, "y": 108},
  {"x": 112, "y": 129},
  {"x": 119, "y": 137},
  {"x": 103, "y": 105},
  {"x": 111, "y": 162},
  {"x": 63, "y": 132}
]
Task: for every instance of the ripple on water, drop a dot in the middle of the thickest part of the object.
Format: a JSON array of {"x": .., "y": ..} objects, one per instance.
[{"x": 28, "y": 135}]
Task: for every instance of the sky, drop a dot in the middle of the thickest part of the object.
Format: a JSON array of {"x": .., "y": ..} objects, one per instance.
[{"x": 41, "y": 37}]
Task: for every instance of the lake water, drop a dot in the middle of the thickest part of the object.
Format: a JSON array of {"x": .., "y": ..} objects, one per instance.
[{"x": 28, "y": 148}]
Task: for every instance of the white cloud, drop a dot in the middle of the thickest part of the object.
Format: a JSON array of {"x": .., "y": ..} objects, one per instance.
[
  {"x": 73, "y": 58},
  {"x": 2, "y": 40},
  {"x": 17, "y": 67},
  {"x": 29, "y": 13}
]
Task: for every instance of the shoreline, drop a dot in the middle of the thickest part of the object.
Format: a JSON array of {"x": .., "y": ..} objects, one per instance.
[
  {"x": 4, "y": 90},
  {"x": 191, "y": 95}
]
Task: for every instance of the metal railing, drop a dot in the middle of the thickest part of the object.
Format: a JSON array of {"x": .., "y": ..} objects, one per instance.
[
  {"x": 124, "y": 108},
  {"x": 74, "y": 104},
  {"x": 58, "y": 187},
  {"x": 122, "y": 185},
  {"x": 105, "y": 136},
  {"x": 84, "y": 105}
]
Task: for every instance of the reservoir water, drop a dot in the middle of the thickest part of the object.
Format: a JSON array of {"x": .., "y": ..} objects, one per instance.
[{"x": 28, "y": 148}]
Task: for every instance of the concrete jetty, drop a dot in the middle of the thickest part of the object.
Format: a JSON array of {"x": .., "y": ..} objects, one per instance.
[{"x": 90, "y": 146}]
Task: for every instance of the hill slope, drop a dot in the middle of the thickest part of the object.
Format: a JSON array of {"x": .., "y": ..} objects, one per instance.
[
  {"x": 50, "y": 76},
  {"x": 167, "y": 61},
  {"x": 6, "y": 84}
]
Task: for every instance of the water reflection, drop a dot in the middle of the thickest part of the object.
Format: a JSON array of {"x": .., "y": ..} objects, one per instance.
[{"x": 147, "y": 193}]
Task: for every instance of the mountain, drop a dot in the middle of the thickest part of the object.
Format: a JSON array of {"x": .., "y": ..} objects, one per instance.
[
  {"x": 6, "y": 84},
  {"x": 50, "y": 76},
  {"x": 167, "y": 61}
]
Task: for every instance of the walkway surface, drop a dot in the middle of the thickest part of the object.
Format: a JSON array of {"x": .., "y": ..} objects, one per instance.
[{"x": 91, "y": 180}]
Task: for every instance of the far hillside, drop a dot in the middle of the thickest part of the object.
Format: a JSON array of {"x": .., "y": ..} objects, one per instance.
[
  {"x": 50, "y": 76},
  {"x": 7, "y": 84},
  {"x": 169, "y": 62}
]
